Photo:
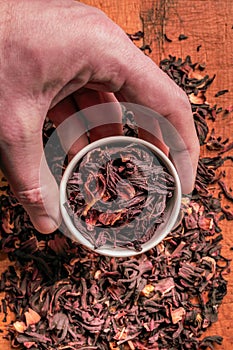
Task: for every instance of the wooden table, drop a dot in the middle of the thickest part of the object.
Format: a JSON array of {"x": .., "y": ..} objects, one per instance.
[{"x": 208, "y": 25}]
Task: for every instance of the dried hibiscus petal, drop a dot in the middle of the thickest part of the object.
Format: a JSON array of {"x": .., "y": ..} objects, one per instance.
[{"x": 115, "y": 185}]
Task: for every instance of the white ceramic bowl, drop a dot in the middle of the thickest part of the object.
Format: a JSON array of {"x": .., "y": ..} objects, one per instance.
[{"x": 171, "y": 213}]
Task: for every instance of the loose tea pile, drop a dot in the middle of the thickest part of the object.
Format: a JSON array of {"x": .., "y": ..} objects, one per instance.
[
  {"x": 65, "y": 297},
  {"x": 118, "y": 195}
]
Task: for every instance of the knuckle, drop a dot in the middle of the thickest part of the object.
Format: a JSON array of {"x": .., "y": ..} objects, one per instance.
[
  {"x": 182, "y": 99},
  {"x": 31, "y": 197}
]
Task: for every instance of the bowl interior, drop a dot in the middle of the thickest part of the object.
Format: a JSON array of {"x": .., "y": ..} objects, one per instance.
[{"x": 170, "y": 215}]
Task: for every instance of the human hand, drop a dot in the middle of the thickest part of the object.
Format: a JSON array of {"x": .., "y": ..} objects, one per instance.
[{"x": 60, "y": 54}]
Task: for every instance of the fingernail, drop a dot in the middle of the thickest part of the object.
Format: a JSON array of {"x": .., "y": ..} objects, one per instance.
[{"x": 45, "y": 224}]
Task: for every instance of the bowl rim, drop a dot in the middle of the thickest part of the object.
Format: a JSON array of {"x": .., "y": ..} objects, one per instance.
[{"x": 117, "y": 251}]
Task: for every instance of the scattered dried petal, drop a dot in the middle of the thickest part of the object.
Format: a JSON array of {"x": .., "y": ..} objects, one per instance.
[
  {"x": 20, "y": 326},
  {"x": 177, "y": 315},
  {"x": 32, "y": 317}
]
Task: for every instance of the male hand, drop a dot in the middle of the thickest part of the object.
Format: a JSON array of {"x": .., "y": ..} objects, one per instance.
[{"x": 59, "y": 54}]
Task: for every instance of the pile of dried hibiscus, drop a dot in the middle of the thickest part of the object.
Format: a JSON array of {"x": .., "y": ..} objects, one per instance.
[{"x": 65, "y": 297}]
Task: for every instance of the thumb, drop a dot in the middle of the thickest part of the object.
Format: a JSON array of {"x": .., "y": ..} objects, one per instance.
[{"x": 31, "y": 181}]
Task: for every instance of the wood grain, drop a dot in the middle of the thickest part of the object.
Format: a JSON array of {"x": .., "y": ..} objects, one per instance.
[{"x": 208, "y": 25}]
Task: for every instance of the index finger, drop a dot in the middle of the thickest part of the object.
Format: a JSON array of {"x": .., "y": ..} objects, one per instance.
[{"x": 147, "y": 85}]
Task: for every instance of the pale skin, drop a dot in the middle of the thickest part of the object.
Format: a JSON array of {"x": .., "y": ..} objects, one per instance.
[{"x": 60, "y": 55}]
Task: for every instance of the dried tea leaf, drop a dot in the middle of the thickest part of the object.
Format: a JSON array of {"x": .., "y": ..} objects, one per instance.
[
  {"x": 177, "y": 315},
  {"x": 20, "y": 326},
  {"x": 29, "y": 344},
  {"x": 182, "y": 37},
  {"x": 197, "y": 99},
  {"x": 147, "y": 290},
  {"x": 221, "y": 92},
  {"x": 32, "y": 317}
]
